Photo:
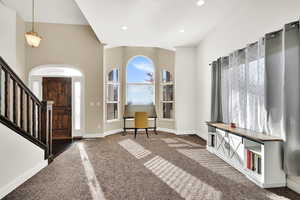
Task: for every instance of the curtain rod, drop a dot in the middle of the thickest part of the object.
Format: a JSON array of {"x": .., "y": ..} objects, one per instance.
[{"x": 267, "y": 35}]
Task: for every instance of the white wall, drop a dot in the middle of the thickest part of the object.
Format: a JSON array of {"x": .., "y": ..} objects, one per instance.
[
  {"x": 8, "y": 35},
  {"x": 246, "y": 24},
  {"x": 185, "y": 87},
  {"x": 19, "y": 158},
  {"x": 12, "y": 40}
]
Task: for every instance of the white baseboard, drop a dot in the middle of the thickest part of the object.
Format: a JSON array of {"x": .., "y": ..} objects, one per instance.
[
  {"x": 93, "y": 135},
  {"x": 111, "y": 132},
  {"x": 294, "y": 183},
  {"x": 22, "y": 178},
  {"x": 186, "y": 132},
  {"x": 167, "y": 130},
  {"x": 101, "y": 135}
]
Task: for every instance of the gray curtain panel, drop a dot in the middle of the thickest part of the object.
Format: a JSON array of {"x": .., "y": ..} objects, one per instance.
[
  {"x": 243, "y": 87},
  {"x": 226, "y": 90},
  {"x": 259, "y": 89},
  {"x": 282, "y": 86},
  {"x": 216, "y": 105}
]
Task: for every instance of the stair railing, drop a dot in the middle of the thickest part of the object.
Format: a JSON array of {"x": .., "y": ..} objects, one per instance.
[{"x": 23, "y": 112}]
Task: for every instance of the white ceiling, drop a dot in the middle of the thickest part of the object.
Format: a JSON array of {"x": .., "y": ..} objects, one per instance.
[
  {"x": 50, "y": 11},
  {"x": 155, "y": 23}
]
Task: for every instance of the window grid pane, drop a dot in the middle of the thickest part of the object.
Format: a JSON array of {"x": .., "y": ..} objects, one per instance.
[
  {"x": 112, "y": 111},
  {"x": 168, "y": 94},
  {"x": 166, "y": 76},
  {"x": 140, "y": 94},
  {"x": 113, "y": 76},
  {"x": 168, "y": 111},
  {"x": 112, "y": 92},
  {"x": 77, "y": 95}
]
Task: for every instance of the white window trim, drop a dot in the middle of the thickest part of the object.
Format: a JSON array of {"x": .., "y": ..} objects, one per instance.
[
  {"x": 107, "y": 83},
  {"x": 75, "y": 133},
  {"x": 145, "y": 83},
  {"x": 161, "y": 101}
]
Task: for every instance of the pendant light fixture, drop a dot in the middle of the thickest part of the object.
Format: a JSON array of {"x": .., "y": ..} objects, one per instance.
[
  {"x": 200, "y": 3},
  {"x": 32, "y": 38}
]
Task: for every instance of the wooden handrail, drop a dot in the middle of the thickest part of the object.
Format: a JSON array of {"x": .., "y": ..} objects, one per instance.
[{"x": 23, "y": 112}]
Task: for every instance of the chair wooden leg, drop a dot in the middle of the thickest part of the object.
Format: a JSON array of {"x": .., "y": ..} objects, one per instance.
[
  {"x": 147, "y": 133},
  {"x": 155, "y": 127},
  {"x": 124, "y": 127},
  {"x": 135, "y": 132}
]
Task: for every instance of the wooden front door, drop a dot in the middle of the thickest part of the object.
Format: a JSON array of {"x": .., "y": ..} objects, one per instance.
[{"x": 59, "y": 90}]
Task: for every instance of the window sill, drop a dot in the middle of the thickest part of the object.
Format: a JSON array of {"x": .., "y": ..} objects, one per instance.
[
  {"x": 113, "y": 120},
  {"x": 132, "y": 119},
  {"x": 165, "y": 119}
]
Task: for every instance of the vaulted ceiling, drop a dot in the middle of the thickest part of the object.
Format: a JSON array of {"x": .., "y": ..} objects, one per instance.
[
  {"x": 157, "y": 23},
  {"x": 49, "y": 11}
]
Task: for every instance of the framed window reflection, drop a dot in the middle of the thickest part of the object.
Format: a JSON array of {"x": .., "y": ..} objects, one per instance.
[
  {"x": 167, "y": 99},
  {"x": 112, "y": 97}
]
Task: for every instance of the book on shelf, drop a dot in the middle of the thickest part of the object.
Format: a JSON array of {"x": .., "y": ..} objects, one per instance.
[
  {"x": 213, "y": 140},
  {"x": 253, "y": 162},
  {"x": 248, "y": 159}
]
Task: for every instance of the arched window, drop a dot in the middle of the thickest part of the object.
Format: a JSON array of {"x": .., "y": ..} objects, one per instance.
[
  {"x": 167, "y": 95},
  {"x": 140, "y": 88},
  {"x": 112, "y": 95}
]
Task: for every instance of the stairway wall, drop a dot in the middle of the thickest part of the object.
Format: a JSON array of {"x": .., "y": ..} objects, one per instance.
[
  {"x": 12, "y": 40},
  {"x": 20, "y": 159}
]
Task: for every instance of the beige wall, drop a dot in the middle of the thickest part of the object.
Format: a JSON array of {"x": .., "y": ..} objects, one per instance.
[
  {"x": 118, "y": 57},
  {"x": 20, "y": 67},
  {"x": 78, "y": 46}
]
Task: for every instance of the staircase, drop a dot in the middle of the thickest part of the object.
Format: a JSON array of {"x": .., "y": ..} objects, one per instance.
[{"x": 23, "y": 112}]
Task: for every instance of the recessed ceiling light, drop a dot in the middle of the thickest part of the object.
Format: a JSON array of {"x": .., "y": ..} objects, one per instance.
[
  {"x": 200, "y": 2},
  {"x": 124, "y": 28},
  {"x": 181, "y": 30}
]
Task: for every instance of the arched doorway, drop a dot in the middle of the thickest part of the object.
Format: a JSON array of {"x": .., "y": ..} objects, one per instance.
[{"x": 55, "y": 74}]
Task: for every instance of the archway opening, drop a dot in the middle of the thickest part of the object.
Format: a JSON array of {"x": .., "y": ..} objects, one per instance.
[{"x": 37, "y": 77}]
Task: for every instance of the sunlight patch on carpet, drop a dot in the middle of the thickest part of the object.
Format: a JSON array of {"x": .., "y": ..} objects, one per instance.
[
  {"x": 188, "y": 142},
  {"x": 169, "y": 140},
  {"x": 213, "y": 163},
  {"x": 95, "y": 189},
  {"x": 134, "y": 148},
  {"x": 178, "y": 145},
  {"x": 186, "y": 185}
]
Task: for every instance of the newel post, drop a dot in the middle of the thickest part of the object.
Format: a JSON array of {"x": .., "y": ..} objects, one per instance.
[{"x": 47, "y": 126}]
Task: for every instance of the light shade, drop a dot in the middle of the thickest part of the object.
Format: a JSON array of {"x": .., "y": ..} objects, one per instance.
[
  {"x": 200, "y": 2},
  {"x": 33, "y": 39}
]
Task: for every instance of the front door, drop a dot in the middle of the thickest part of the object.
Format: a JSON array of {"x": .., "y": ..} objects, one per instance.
[{"x": 59, "y": 90}]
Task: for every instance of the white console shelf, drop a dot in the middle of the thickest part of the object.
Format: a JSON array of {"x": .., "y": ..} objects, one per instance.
[{"x": 256, "y": 155}]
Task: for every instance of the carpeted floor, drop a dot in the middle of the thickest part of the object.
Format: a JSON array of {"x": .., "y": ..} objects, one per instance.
[{"x": 164, "y": 167}]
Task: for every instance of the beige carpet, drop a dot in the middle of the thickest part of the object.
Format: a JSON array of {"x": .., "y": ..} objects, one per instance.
[{"x": 164, "y": 167}]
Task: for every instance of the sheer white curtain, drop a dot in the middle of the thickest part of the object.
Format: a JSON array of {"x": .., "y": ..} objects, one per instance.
[{"x": 243, "y": 87}]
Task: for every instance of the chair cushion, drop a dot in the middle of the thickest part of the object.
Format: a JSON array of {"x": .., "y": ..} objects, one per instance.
[{"x": 141, "y": 120}]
